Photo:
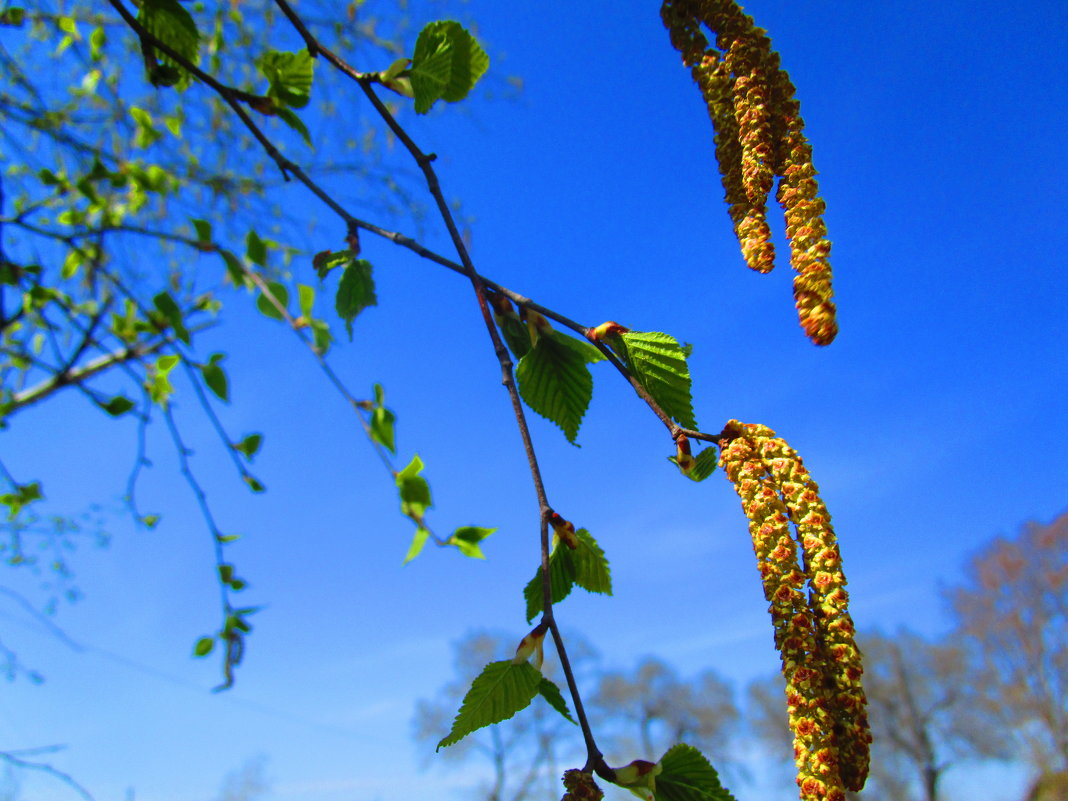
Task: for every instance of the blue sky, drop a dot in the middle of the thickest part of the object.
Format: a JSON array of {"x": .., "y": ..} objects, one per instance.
[{"x": 933, "y": 423}]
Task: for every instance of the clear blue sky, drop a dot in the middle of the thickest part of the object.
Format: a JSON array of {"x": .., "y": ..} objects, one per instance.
[{"x": 935, "y": 421}]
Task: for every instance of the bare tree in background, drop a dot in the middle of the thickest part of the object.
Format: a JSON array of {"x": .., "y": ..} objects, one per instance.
[
  {"x": 652, "y": 709},
  {"x": 922, "y": 717},
  {"x": 1013, "y": 610}
]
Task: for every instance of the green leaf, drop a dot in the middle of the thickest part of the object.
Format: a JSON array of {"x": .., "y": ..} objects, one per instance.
[
  {"x": 585, "y": 566},
  {"x": 686, "y": 775},
  {"x": 147, "y": 133},
  {"x": 467, "y": 539},
  {"x": 326, "y": 260},
  {"x": 447, "y": 63},
  {"x": 159, "y": 384},
  {"x": 204, "y": 231},
  {"x": 501, "y": 690},
  {"x": 267, "y": 308},
  {"x": 515, "y": 334},
  {"x": 255, "y": 249},
  {"x": 13, "y": 16},
  {"x": 382, "y": 420},
  {"x": 355, "y": 292},
  {"x": 418, "y": 541},
  {"x": 290, "y": 118},
  {"x": 414, "y": 490},
  {"x": 658, "y": 361},
  {"x": 204, "y": 646},
  {"x": 119, "y": 405},
  {"x": 169, "y": 22},
  {"x": 169, "y": 308},
  {"x": 551, "y": 693},
  {"x": 215, "y": 377},
  {"x": 591, "y": 566},
  {"x": 555, "y": 383},
  {"x": 254, "y": 483},
  {"x": 290, "y": 76},
  {"x": 306, "y": 295},
  {"x": 234, "y": 268},
  {"x": 587, "y": 352},
  {"x": 249, "y": 446},
  {"x": 704, "y": 464}
]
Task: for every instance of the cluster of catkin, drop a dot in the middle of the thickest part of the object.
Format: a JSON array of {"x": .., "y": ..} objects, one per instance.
[
  {"x": 759, "y": 137},
  {"x": 813, "y": 633}
]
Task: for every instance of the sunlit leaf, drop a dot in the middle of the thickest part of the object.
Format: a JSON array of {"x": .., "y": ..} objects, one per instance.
[
  {"x": 215, "y": 377},
  {"x": 418, "y": 541},
  {"x": 414, "y": 490},
  {"x": 447, "y": 63},
  {"x": 501, "y": 690},
  {"x": 686, "y": 775},
  {"x": 290, "y": 76},
  {"x": 658, "y": 361},
  {"x": 555, "y": 383},
  {"x": 355, "y": 291},
  {"x": 467, "y": 539},
  {"x": 585, "y": 566},
  {"x": 551, "y": 693}
]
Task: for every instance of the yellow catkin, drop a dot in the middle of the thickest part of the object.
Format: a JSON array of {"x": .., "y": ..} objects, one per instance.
[
  {"x": 810, "y": 250},
  {"x": 759, "y": 137},
  {"x": 835, "y": 643},
  {"x": 815, "y": 754}
]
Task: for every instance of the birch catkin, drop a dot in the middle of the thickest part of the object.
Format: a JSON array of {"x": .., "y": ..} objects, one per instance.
[
  {"x": 821, "y": 664},
  {"x": 759, "y": 136}
]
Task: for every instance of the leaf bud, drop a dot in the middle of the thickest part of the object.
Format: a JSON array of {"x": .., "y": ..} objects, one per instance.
[
  {"x": 606, "y": 329},
  {"x": 532, "y": 645},
  {"x": 639, "y": 777},
  {"x": 565, "y": 530},
  {"x": 683, "y": 456}
]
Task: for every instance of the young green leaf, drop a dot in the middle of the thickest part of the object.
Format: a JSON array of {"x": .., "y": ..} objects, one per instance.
[
  {"x": 290, "y": 118},
  {"x": 290, "y": 76},
  {"x": 551, "y": 693},
  {"x": 658, "y": 361},
  {"x": 355, "y": 292},
  {"x": 467, "y": 539},
  {"x": 306, "y": 296},
  {"x": 267, "y": 307},
  {"x": 249, "y": 446},
  {"x": 204, "y": 646},
  {"x": 686, "y": 775},
  {"x": 382, "y": 420},
  {"x": 447, "y": 63},
  {"x": 501, "y": 690},
  {"x": 326, "y": 260},
  {"x": 585, "y": 566},
  {"x": 414, "y": 490},
  {"x": 169, "y": 22},
  {"x": 704, "y": 465},
  {"x": 515, "y": 334},
  {"x": 418, "y": 541},
  {"x": 255, "y": 248},
  {"x": 234, "y": 268},
  {"x": 159, "y": 384},
  {"x": 119, "y": 405},
  {"x": 254, "y": 483},
  {"x": 204, "y": 231},
  {"x": 169, "y": 308},
  {"x": 555, "y": 383},
  {"x": 215, "y": 377}
]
